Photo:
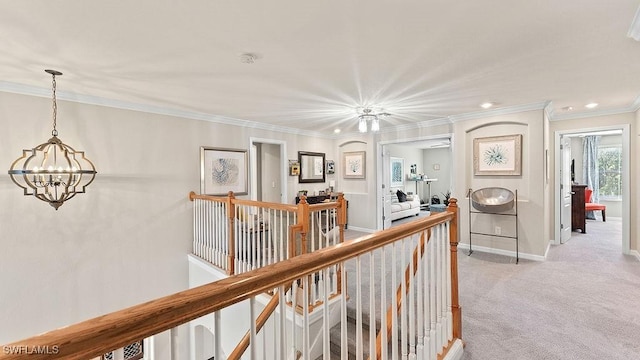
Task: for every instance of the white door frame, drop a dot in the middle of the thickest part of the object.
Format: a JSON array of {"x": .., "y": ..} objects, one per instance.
[
  {"x": 626, "y": 175},
  {"x": 379, "y": 175},
  {"x": 253, "y": 161}
]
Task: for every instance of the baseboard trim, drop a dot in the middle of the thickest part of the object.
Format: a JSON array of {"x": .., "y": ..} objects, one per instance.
[
  {"x": 355, "y": 228},
  {"x": 503, "y": 252},
  {"x": 635, "y": 253}
]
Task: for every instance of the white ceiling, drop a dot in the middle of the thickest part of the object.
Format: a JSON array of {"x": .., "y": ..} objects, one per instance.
[{"x": 420, "y": 60}]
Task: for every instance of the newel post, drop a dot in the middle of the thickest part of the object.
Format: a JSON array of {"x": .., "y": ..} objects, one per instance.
[
  {"x": 231, "y": 217},
  {"x": 303, "y": 221},
  {"x": 342, "y": 214},
  {"x": 453, "y": 242}
]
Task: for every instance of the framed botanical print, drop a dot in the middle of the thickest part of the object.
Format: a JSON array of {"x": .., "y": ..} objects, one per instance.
[
  {"x": 223, "y": 170},
  {"x": 354, "y": 165},
  {"x": 498, "y": 155}
]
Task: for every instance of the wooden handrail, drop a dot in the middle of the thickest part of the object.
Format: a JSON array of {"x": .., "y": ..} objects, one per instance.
[
  {"x": 270, "y": 205},
  {"x": 97, "y": 336}
]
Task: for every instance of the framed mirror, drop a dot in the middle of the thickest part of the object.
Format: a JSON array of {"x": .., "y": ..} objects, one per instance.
[{"x": 311, "y": 167}]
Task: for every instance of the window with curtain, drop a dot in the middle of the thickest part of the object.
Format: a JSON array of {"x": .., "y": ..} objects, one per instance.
[{"x": 610, "y": 172}]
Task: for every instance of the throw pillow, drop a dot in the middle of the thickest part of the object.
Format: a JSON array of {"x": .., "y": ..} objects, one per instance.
[{"x": 402, "y": 197}]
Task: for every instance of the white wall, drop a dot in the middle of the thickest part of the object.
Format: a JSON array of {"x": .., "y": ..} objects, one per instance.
[
  {"x": 437, "y": 164},
  {"x": 126, "y": 240}
]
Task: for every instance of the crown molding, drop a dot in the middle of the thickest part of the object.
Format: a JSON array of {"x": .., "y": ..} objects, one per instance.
[
  {"x": 498, "y": 112},
  {"x": 416, "y": 126},
  {"x": 152, "y": 109},
  {"x": 634, "y": 29},
  {"x": 635, "y": 106}
]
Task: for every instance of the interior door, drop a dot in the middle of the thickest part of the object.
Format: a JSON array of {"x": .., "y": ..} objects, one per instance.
[
  {"x": 565, "y": 189},
  {"x": 386, "y": 196}
]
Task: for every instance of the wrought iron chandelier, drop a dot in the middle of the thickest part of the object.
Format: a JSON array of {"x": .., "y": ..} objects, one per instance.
[
  {"x": 368, "y": 115},
  {"x": 53, "y": 171}
]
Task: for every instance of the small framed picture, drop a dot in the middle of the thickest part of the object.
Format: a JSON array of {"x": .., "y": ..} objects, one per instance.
[
  {"x": 294, "y": 168},
  {"x": 223, "y": 170},
  {"x": 331, "y": 167},
  {"x": 397, "y": 171}
]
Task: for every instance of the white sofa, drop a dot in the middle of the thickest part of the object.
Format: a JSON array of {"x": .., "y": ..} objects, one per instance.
[{"x": 400, "y": 210}]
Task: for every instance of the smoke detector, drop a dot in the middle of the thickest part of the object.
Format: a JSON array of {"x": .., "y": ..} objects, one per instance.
[{"x": 247, "y": 58}]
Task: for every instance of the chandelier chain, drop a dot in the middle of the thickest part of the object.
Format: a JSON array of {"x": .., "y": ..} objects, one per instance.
[{"x": 54, "y": 132}]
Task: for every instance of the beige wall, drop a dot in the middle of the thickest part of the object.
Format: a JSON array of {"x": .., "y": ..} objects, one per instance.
[{"x": 530, "y": 185}]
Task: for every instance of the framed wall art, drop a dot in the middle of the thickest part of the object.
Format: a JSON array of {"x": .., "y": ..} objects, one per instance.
[
  {"x": 223, "y": 170},
  {"x": 397, "y": 172},
  {"x": 498, "y": 155},
  {"x": 354, "y": 164},
  {"x": 331, "y": 167},
  {"x": 294, "y": 168}
]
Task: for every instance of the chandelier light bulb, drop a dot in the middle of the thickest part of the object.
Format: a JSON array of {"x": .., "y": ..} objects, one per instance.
[
  {"x": 362, "y": 125},
  {"x": 375, "y": 124},
  {"x": 366, "y": 115}
]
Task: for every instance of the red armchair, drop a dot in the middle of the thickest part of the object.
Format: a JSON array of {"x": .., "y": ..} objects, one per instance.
[{"x": 589, "y": 206}]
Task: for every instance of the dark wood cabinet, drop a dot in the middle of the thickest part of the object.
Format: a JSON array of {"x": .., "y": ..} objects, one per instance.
[{"x": 578, "y": 221}]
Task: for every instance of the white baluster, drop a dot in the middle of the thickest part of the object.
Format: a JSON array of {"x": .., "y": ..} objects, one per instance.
[
  {"x": 383, "y": 301},
  {"x": 394, "y": 302},
  {"x": 217, "y": 334},
  {"x": 372, "y": 305},
  {"x": 252, "y": 327},
  {"x": 326, "y": 349},
  {"x": 403, "y": 308},
  {"x": 174, "y": 343},
  {"x": 305, "y": 323},
  {"x": 343, "y": 311},
  {"x": 358, "y": 309}
]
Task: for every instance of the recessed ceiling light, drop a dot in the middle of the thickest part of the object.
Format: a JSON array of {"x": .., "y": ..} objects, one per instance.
[
  {"x": 337, "y": 131},
  {"x": 486, "y": 105},
  {"x": 591, "y": 105},
  {"x": 567, "y": 108}
]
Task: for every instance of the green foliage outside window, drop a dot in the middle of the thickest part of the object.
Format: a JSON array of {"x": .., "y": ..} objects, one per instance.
[{"x": 610, "y": 170}]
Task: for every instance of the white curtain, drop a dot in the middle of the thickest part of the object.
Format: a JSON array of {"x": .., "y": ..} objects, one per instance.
[{"x": 590, "y": 168}]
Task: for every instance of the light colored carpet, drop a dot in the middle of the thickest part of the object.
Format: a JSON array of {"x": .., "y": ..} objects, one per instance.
[{"x": 581, "y": 303}]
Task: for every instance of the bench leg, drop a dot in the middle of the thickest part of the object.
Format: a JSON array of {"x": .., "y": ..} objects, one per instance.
[{"x": 604, "y": 217}]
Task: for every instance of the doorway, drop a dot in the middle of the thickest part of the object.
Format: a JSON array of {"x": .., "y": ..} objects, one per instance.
[
  {"x": 430, "y": 156},
  {"x": 268, "y": 162},
  {"x": 618, "y": 198}
]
